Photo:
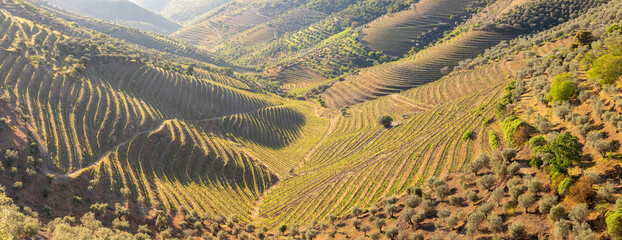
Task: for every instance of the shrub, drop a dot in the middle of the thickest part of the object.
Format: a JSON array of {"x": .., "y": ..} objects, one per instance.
[
  {"x": 563, "y": 88},
  {"x": 392, "y": 232},
  {"x": 614, "y": 224},
  {"x": 564, "y": 186},
  {"x": 385, "y": 121},
  {"x": 493, "y": 140},
  {"x": 120, "y": 210},
  {"x": 486, "y": 182},
  {"x": 557, "y": 212},
  {"x": 18, "y": 186},
  {"x": 606, "y": 192},
  {"x": 120, "y": 224},
  {"x": 468, "y": 135},
  {"x": 579, "y": 213},
  {"x": 413, "y": 201},
  {"x": 606, "y": 68},
  {"x": 582, "y": 190},
  {"x": 517, "y": 230},
  {"x": 583, "y": 231},
  {"x": 99, "y": 208},
  {"x": 526, "y": 201},
  {"x": 495, "y": 223},
  {"x": 562, "y": 229},
  {"x": 510, "y": 126}
]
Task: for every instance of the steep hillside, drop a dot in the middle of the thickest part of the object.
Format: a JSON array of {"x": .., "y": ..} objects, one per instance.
[
  {"x": 119, "y": 11},
  {"x": 397, "y": 33},
  {"x": 149, "y": 40},
  {"x": 497, "y": 129}
]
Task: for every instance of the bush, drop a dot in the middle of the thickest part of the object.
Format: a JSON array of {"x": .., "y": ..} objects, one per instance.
[
  {"x": 526, "y": 201},
  {"x": 392, "y": 232},
  {"x": 562, "y": 228},
  {"x": 606, "y": 68},
  {"x": 606, "y": 192},
  {"x": 582, "y": 190},
  {"x": 563, "y": 88},
  {"x": 557, "y": 212},
  {"x": 99, "y": 208},
  {"x": 18, "y": 186},
  {"x": 120, "y": 210},
  {"x": 517, "y": 230},
  {"x": 537, "y": 141},
  {"x": 120, "y": 224},
  {"x": 493, "y": 140},
  {"x": 564, "y": 186},
  {"x": 579, "y": 213},
  {"x": 468, "y": 135},
  {"x": 510, "y": 126},
  {"x": 413, "y": 201},
  {"x": 385, "y": 121},
  {"x": 614, "y": 224},
  {"x": 486, "y": 182},
  {"x": 495, "y": 223},
  {"x": 583, "y": 231}
]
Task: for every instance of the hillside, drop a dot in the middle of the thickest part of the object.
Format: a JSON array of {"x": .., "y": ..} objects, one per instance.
[
  {"x": 119, "y": 11},
  {"x": 493, "y": 127}
]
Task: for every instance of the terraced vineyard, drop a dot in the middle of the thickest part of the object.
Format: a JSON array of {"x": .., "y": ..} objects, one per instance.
[
  {"x": 135, "y": 36},
  {"x": 295, "y": 134},
  {"x": 128, "y": 125},
  {"x": 202, "y": 34},
  {"x": 361, "y": 163},
  {"x": 419, "y": 69},
  {"x": 297, "y": 77},
  {"x": 180, "y": 166},
  {"x": 397, "y": 33}
]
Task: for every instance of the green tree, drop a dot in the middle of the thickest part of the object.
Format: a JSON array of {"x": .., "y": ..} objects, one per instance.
[
  {"x": 385, "y": 121},
  {"x": 567, "y": 150},
  {"x": 607, "y": 69},
  {"x": 562, "y": 88}
]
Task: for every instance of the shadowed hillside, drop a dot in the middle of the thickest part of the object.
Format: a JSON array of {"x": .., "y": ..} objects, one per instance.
[{"x": 121, "y": 12}]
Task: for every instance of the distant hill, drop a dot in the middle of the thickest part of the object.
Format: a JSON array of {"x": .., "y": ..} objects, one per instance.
[
  {"x": 119, "y": 11},
  {"x": 153, "y": 5},
  {"x": 184, "y": 11}
]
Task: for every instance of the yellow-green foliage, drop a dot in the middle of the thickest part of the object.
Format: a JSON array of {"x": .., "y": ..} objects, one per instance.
[
  {"x": 13, "y": 223},
  {"x": 562, "y": 88},
  {"x": 509, "y": 127},
  {"x": 606, "y": 69},
  {"x": 493, "y": 140},
  {"x": 614, "y": 224}
]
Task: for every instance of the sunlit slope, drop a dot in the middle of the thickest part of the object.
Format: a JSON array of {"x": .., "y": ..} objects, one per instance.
[
  {"x": 178, "y": 165},
  {"x": 361, "y": 166},
  {"x": 397, "y": 33},
  {"x": 423, "y": 67}
]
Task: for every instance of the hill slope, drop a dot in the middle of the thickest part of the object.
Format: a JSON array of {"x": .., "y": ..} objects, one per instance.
[{"x": 119, "y": 11}]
